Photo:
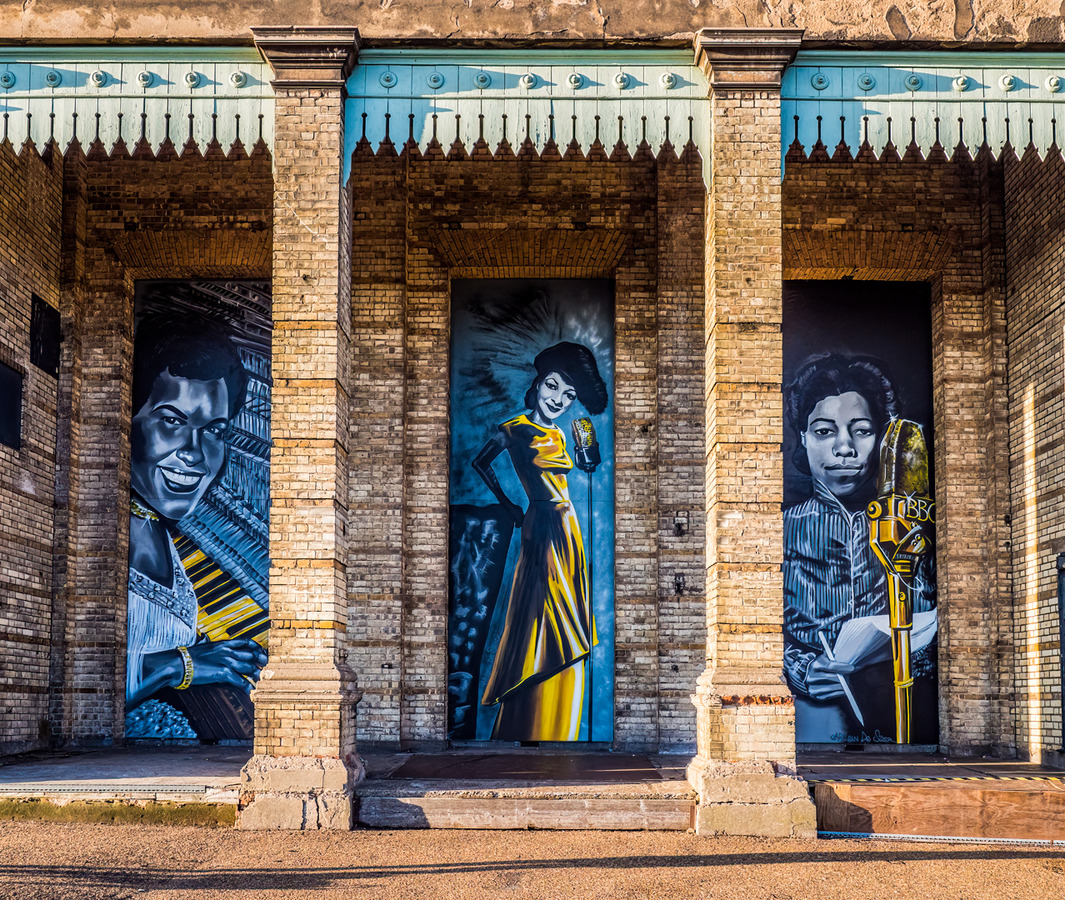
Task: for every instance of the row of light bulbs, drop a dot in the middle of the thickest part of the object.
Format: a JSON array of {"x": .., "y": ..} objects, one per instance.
[
  {"x": 483, "y": 80},
  {"x": 961, "y": 83},
  {"x": 100, "y": 79}
]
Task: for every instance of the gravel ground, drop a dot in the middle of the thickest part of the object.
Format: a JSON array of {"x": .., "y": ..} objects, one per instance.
[{"x": 110, "y": 861}]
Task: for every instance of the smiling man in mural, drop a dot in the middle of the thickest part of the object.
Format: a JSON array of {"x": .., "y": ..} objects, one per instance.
[
  {"x": 859, "y": 574},
  {"x": 191, "y": 630}
]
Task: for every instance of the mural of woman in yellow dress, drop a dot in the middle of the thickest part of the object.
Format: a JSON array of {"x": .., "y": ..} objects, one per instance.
[{"x": 538, "y": 676}]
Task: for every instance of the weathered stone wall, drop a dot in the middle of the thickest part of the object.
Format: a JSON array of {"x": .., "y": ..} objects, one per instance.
[
  {"x": 1035, "y": 263},
  {"x": 30, "y": 228},
  {"x": 420, "y": 221},
  {"x": 1009, "y": 21},
  {"x": 937, "y": 221},
  {"x": 127, "y": 219}
]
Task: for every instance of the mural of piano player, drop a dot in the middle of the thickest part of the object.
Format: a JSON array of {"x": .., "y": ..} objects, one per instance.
[
  {"x": 189, "y": 384},
  {"x": 538, "y": 677},
  {"x": 837, "y": 635}
]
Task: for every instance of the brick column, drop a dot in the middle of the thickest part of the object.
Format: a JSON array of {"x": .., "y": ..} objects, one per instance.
[
  {"x": 745, "y": 713},
  {"x": 305, "y": 766}
]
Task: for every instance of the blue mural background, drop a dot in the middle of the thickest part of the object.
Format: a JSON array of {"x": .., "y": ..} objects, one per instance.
[{"x": 498, "y": 328}]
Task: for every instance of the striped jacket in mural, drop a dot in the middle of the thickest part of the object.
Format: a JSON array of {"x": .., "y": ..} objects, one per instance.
[{"x": 830, "y": 575}]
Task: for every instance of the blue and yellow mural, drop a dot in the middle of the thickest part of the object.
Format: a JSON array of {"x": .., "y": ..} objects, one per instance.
[
  {"x": 531, "y": 628},
  {"x": 859, "y": 516},
  {"x": 198, "y": 609}
]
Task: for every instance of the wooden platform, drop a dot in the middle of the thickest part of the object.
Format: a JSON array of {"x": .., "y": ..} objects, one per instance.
[{"x": 933, "y": 796}]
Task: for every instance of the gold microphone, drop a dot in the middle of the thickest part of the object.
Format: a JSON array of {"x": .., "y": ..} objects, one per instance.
[
  {"x": 585, "y": 444},
  {"x": 900, "y": 527}
]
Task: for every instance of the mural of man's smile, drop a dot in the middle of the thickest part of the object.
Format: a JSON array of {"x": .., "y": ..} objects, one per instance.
[
  {"x": 182, "y": 482},
  {"x": 178, "y": 443}
]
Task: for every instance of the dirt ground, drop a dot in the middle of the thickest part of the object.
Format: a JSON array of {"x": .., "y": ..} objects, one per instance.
[{"x": 111, "y": 861}]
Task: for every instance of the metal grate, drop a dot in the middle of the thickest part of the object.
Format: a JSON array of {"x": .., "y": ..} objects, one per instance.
[{"x": 936, "y": 839}]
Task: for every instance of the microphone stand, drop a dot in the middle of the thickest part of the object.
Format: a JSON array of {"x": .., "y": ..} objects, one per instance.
[
  {"x": 587, "y": 453},
  {"x": 591, "y": 603}
]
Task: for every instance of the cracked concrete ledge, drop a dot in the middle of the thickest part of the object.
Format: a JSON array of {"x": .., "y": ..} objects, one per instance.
[
  {"x": 298, "y": 793},
  {"x": 752, "y": 798}
]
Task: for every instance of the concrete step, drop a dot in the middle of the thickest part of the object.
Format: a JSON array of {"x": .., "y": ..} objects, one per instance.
[
  {"x": 521, "y": 790},
  {"x": 457, "y": 809}
]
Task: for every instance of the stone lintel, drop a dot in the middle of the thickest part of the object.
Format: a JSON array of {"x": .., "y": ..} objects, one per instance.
[
  {"x": 735, "y": 687},
  {"x": 746, "y": 58},
  {"x": 288, "y": 681},
  {"x": 308, "y": 57}
]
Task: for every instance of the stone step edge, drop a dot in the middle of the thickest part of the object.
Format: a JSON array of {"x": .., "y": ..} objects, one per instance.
[{"x": 496, "y": 790}]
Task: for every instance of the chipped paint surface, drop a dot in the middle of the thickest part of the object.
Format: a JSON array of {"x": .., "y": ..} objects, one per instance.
[{"x": 1009, "y": 21}]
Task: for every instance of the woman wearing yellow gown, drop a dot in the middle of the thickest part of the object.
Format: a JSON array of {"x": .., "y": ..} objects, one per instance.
[{"x": 538, "y": 674}]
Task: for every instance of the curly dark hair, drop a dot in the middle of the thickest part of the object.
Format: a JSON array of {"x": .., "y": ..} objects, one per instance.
[
  {"x": 188, "y": 347},
  {"x": 834, "y": 374},
  {"x": 576, "y": 363}
]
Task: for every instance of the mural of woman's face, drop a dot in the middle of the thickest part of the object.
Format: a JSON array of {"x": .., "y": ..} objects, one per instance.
[
  {"x": 554, "y": 396},
  {"x": 178, "y": 443},
  {"x": 840, "y": 441}
]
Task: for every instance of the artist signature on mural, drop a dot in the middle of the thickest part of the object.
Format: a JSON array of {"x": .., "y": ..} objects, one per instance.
[{"x": 839, "y": 737}]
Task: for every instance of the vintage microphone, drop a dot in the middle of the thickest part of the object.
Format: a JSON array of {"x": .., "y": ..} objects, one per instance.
[
  {"x": 586, "y": 450},
  {"x": 901, "y": 520}
]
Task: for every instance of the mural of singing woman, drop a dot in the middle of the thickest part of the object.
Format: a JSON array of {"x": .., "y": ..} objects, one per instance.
[
  {"x": 189, "y": 383},
  {"x": 539, "y": 671}
]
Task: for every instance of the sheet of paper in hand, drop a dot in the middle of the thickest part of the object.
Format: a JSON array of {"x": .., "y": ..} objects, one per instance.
[{"x": 866, "y": 640}]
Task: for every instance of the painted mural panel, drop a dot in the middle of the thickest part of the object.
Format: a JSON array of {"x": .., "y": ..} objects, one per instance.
[
  {"x": 531, "y": 616},
  {"x": 198, "y": 608},
  {"x": 860, "y": 619}
]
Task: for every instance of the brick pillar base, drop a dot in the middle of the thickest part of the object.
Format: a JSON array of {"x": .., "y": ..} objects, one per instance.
[
  {"x": 760, "y": 795},
  {"x": 744, "y": 771},
  {"x": 315, "y": 789}
]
